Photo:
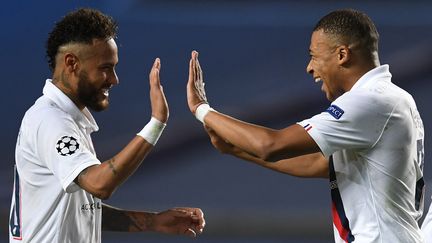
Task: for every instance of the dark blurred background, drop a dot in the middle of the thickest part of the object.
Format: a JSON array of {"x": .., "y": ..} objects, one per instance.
[{"x": 254, "y": 55}]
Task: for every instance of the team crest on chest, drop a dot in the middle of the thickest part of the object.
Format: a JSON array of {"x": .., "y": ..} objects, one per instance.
[{"x": 67, "y": 145}]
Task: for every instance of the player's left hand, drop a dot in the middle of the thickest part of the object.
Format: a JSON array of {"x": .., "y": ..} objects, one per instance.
[
  {"x": 195, "y": 87},
  {"x": 183, "y": 221}
]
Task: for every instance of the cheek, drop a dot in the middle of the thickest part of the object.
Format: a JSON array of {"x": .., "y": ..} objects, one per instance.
[{"x": 97, "y": 75}]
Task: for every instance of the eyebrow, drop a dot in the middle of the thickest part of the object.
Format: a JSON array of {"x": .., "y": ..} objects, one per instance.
[{"x": 110, "y": 64}]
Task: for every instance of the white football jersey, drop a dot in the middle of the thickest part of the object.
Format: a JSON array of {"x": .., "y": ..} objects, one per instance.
[
  {"x": 373, "y": 137},
  {"x": 53, "y": 147}
]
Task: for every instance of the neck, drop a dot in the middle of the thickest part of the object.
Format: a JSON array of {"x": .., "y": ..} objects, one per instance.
[{"x": 360, "y": 69}]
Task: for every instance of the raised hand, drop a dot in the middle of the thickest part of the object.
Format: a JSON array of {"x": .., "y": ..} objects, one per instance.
[
  {"x": 195, "y": 86},
  {"x": 158, "y": 101}
]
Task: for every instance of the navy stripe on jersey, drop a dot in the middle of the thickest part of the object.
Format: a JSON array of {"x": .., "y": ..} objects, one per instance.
[
  {"x": 339, "y": 218},
  {"x": 419, "y": 193},
  {"x": 15, "y": 217}
]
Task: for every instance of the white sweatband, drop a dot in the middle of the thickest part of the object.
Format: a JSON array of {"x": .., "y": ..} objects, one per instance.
[
  {"x": 202, "y": 111},
  {"x": 152, "y": 131}
]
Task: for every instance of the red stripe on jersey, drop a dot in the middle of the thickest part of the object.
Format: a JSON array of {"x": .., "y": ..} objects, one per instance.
[
  {"x": 307, "y": 127},
  {"x": 343, "y": 233}
]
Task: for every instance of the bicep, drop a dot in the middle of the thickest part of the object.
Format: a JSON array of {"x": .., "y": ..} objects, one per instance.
[{"x": 89, "y": 180}]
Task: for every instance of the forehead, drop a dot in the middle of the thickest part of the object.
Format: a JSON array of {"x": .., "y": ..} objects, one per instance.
[
  {"x": 103, "y": 51},
  {"x": 320, "y": 41}
]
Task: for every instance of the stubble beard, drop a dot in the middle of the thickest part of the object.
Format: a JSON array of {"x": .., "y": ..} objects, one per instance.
[{"x": 89, "y": 95}]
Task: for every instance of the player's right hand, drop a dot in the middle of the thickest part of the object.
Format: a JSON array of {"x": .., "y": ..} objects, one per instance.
[
  {"x": 195, "y": 87},
  {"x": 158, "y": 101}
]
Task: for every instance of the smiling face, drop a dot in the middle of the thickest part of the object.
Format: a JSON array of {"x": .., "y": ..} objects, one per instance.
[
  {"x": 324, "y": 64},
  {"x": 96, "y": 74}
]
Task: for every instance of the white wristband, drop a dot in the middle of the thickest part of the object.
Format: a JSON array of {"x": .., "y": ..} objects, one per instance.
[
  {"x": 202, "y": 111},
  {"x": 152, "y": 131}
]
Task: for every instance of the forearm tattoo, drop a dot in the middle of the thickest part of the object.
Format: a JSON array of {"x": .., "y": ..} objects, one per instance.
[
  {"x": 118, "y": 220},
  {"x": 111, "y": 166}
]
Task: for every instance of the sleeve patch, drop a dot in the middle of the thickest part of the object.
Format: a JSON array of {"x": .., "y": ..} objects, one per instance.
[
  {"x": 335, "y": 111},
  {"x": 67, "y": 145}
]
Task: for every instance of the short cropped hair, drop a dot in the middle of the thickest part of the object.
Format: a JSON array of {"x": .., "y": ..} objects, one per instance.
[
  {"x": 80, "y": 26},
  {"x": 351, "y": 27}
]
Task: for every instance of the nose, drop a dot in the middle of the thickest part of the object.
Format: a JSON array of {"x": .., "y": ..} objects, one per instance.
[
  {"x": 309, "y": 68},
  {"x": 114, "y": 79}
]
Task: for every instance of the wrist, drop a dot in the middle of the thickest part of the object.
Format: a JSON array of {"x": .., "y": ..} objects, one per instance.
[
  {"x": 202, "y": 110},
  {"x": 152, "y": 131}
]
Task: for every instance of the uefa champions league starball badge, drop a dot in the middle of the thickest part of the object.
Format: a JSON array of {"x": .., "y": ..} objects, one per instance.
[{"x": 67, "y": 145}]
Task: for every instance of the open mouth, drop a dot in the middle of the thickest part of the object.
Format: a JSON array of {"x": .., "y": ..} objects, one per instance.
[
  {"x": 105, "y": 92},
  {"x": 317, "y": 79}
]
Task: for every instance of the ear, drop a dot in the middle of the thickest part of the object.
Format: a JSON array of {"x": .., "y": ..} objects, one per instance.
[
  {"x": 344, "y": 54},
  {"x": 71, "y": 62}
]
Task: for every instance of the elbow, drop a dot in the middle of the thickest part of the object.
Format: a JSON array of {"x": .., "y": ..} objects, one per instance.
[
  {"x": 105, "y": 195},
  {"x": 103, "y": 192},
  {"x": 95, "y": 182}
]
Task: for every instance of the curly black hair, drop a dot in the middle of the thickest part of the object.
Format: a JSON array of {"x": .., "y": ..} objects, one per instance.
[
  {"x": 352, "y": 27},
  {"x": 80, "y": 26}
]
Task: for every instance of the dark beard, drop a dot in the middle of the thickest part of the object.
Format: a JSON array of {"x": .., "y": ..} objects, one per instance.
[{"x": 89, "y": 95}]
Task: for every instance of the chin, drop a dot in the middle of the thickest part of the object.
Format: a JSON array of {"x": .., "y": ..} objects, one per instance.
[
  {"x": 330, "y": 98},
  {"x": 100, "y": 106}
]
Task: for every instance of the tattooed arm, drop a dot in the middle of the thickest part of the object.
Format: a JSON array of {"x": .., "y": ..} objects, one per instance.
[
  {"x": 102, "y": 180},
  {"x": 186, "y": 221}
]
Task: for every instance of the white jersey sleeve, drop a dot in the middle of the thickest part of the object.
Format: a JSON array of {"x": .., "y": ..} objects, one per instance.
[
  {"x": 64, "y": 151},
  {"x": 353, "y": 121}
]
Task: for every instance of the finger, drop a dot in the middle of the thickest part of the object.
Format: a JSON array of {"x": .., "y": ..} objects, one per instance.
[
  {"x": 192, "y": 76},
  {"x": 199, "y": 71},
  {"x": 190, "y": 232},
  {"x": 191, "y": 71},
  {"x": 180, "y": 213},
  {"x": 200, "y": 223},
  {"x": 158, "y": 68},
  {"x": 154, "y": 73},
  {"x": 198, "y": 216},
  {"x": 156, "y": 63},
  {"x": 196, "y": 67}
]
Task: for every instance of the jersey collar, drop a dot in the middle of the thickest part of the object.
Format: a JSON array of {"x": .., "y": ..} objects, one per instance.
[
  {"x": 84, "y": 118},
  {"x": 380, "y": 72}
]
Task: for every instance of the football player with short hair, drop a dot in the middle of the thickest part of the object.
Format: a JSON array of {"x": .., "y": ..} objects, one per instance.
[
  {"x": 59, "y": 181},
  {"x": 369, "y": 142}
]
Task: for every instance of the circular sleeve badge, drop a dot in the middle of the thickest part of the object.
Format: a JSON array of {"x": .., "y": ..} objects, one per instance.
[{"x": 67, "y": 145}]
